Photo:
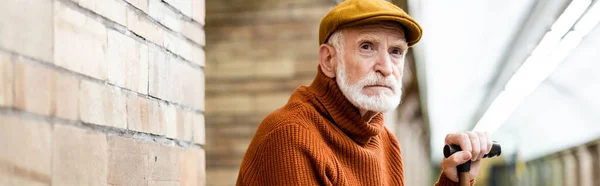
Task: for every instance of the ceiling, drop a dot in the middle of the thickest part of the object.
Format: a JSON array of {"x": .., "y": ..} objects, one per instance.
[
  {"x": 564, "y": 111},
  {"x": 469, "y": 51}
]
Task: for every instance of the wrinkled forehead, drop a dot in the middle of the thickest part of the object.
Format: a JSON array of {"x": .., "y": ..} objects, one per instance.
[{"x": 389, "y": 26}]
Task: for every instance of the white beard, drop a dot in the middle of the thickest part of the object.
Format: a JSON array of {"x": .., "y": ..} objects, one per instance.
[{"x": 381, "y": 102}]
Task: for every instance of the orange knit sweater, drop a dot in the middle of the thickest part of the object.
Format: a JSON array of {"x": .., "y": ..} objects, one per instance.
[{"x": 319, "y": 138}]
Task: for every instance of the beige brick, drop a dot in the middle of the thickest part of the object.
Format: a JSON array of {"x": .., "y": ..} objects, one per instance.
[
  {"x": 199, "y": 11},
  {"x": 139, "y": 75},
  {"x": 164, "y": 15},
  {"x": 128, "y": 161},
  {"x": 137, "y": 114},
  {"x": 194, "y": 32},
  {"x": 43, "y": 91},
  {"x": 170, "y": 19},
  {"x": 182, "y": 127},
  {"x": 163, "y": 163},
  {"x": 155, "y": 9},
  {"x": 79, "y": 42},
  {"x": 198, "y": 56},
  {"x": 111, "y": 9},
  {"x": 127, "y": 62},
  {"x": 192, "y": 167},
  {"x": 91, "y": 103},
  {"x": 163, "y": 183},
  {"x": 202, "y": 171},
  {"x": 115, "y": 107},
  {"x": 65, "y": 97},
  {"x": 140, "y": 4},
  {"x": 143, "y": 27},
  {"x": 160, "y": 74},
  {"x": 184, "y": 6},
  {"x": 26, "y": 151},
  {"x": 188, "y": 123},
  {"x": 175, "y": 80},
  {"x": 156, "y": 117},
  {"x": 79, "y": 157},
  {"x": 198, "y": 129},
  {"x": 170, "y": 120},
  {"x": 192, "y": 86},
  {"x": 102, "y": 105},
  {"x": 30, "y": 35},
  {"x": 9, "y": 180},
  {"x": 134, "y": 162},
  {"x": 33, "y": 88},
  {"x": 223, "y": 103},
  {"x": 6, "y": 80},
  {"x": 178, "y": 46}
]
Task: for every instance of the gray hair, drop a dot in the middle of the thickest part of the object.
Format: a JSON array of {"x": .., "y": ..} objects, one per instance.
[{"x": 337, "y": 41}]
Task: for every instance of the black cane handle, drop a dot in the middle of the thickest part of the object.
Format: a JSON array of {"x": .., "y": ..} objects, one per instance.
[
  {"x": 451, "y": 149},
  {"x": 463, "y": 169}
]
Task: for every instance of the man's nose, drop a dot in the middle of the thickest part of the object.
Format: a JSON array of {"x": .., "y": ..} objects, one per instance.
[{"x": 384, "y": 65}]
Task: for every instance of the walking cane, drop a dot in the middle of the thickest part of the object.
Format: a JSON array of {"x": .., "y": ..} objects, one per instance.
[{"x": 463, "y": 169}]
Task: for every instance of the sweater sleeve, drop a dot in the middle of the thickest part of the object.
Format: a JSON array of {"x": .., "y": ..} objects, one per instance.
[
  {"x": 287, "y": 155},
  {"x": 445, "y": 181}
]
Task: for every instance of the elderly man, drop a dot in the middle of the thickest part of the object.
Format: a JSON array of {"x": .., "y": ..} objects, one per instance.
[{"x": 332, "y": 132}]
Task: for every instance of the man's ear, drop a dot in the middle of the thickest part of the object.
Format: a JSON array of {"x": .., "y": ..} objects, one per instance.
[{"x": 326, "y": 61}]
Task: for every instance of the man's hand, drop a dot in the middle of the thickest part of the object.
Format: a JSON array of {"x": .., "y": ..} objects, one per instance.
[{"x": 474, "y": 146}]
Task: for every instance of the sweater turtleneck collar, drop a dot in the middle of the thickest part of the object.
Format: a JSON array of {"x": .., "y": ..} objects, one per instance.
[{"x": 344, "y": 114}]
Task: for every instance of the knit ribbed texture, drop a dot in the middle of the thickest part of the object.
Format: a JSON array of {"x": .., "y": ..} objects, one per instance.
[{"x": 319, "y": 138}]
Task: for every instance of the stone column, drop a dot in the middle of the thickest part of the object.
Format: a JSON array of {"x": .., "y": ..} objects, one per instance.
[
  {"x": 557, "y": 171},
  {"x": 595, "y": 150},
  {"x": 585, "y": 166},
  {"x": 569, "y": 167}
]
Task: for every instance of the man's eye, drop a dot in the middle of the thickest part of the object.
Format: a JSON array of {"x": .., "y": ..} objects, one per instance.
[
  {"x": 396, "y": 51},
  {"x": 366, "y": 47}
]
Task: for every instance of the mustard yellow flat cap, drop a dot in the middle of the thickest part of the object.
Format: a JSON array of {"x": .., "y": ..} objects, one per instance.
[{"x": 356, "y": 12}]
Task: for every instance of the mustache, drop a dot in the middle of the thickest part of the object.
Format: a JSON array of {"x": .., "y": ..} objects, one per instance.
[{"x": 377, "y": 79}]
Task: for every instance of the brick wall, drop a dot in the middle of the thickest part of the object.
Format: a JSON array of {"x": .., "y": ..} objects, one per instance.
[{"x": 102, "y": 92}]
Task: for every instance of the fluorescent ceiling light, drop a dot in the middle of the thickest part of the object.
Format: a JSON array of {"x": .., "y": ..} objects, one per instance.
[
  {"x": 548, "y": 54},
  {"x": 589, "y": 20},
  {"x": 566, "y": 20}
]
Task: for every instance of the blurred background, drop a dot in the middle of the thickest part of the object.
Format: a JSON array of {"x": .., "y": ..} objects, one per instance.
[
  {"x": 170, "y": 92},
  {"x": 525, "y": 70}
]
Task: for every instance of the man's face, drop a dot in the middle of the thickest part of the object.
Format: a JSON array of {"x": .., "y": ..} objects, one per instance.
[{"x": 369, "y": 72}]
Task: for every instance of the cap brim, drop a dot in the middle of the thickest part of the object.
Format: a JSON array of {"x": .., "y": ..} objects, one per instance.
[{"x": 412, "y": 31}]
